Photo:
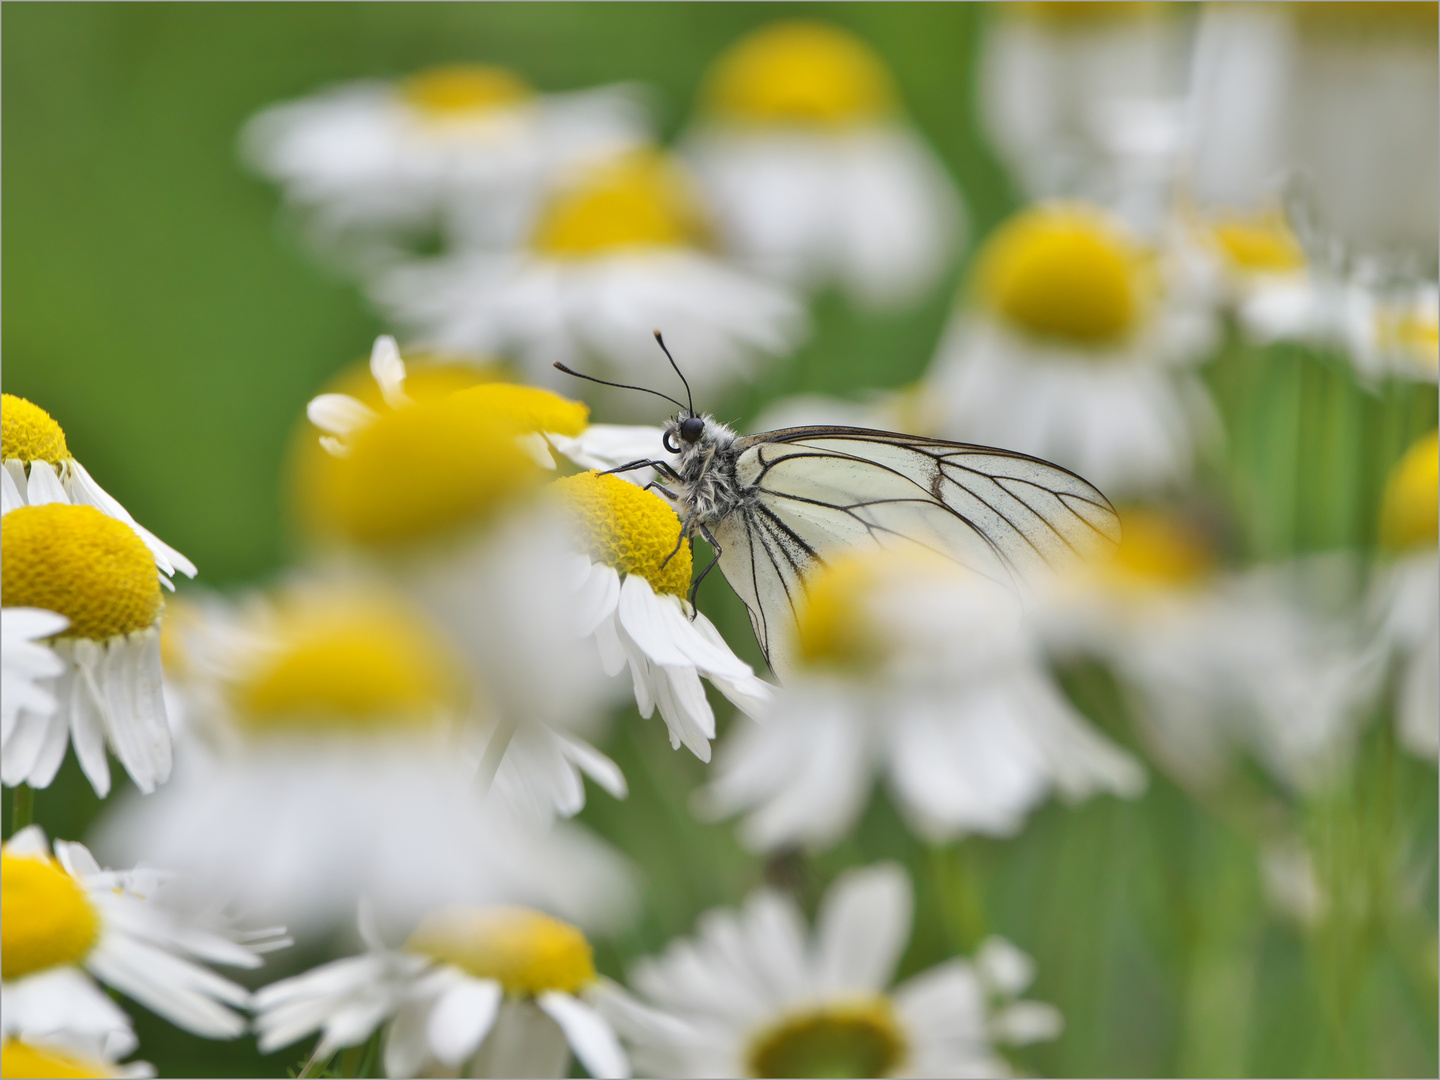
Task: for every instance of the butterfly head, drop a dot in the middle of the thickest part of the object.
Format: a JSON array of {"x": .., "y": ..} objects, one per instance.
[{"x": 683, "y": 431}]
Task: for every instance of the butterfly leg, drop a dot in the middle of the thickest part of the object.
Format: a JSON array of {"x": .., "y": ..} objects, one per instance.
[
  {"x": 678, "y": 540},
  {"x": 695, "y": 588},
  {"x": 659, "y": 466},
  {"x": 662, "y": 489}
]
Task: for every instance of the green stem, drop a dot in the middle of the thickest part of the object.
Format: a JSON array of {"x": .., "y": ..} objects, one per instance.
[{"x": 24, "y": 808}]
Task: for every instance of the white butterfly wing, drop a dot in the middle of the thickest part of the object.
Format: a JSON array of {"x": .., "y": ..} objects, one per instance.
[{"x": 814, "y": 490}]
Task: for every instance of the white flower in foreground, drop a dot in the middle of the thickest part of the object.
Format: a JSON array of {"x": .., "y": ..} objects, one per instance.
[
  {"x": 491, "y": 991},
  {"x": 814, "y": 174},
  {"x": 96, "y": 572},
  {"x": 69, "y": 924},
  {"x": 1265, "y": 660},
  {"x": 464, "y": 148},
  {"x": 921, "y": 670},
  {"x": 462, "y": 537},
  {"x": 753, "y": 994},
  {"x": 40, "y": 469},
  {"x": 1087, "y": 101},
  {"x": 1405, "y": 598},
  {"x": 333, "y": 757},
  {"x": 27, "y": 662},
  {"x": 631, "y": 586},
  {"x": 1074, "y": 347},
  {"x": 618, "y": 252}
]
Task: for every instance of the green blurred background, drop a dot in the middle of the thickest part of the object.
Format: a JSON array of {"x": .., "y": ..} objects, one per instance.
[{"x": 158, "y": 306}]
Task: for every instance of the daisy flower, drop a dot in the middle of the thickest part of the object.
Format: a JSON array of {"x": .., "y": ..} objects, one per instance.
[
  {"x": 754, "y": 994},
  {"x": 1087, "y": 100},
  {"x": 332, "y": 758},
  {"x": 1265, "y": 659},
  {"x": 617, "y": 251},
  {"x": 463, "y": 537},
  {"x": 1404, "y": 596},
  {"x": 814, "y": 173},
  {"x": 97, "y": 573},
  {"x": 632, "y": 579},
  {"x": 27, "y": 663},
  {"x": 474, "y": 991},
  {"x": 917, "y": 668},
  {"x": 69, "y": 924},
  {"x": 461, "y": 148},
  {"x": 40, "y": 469},
  {"x": 1073, "y": 348}
]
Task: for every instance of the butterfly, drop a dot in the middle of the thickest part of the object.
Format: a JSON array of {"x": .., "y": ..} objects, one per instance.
[{"x": 776, "y": 504}]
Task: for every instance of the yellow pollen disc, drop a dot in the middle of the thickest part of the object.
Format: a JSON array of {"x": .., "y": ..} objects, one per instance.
[
  {"x": 833, "y": 627},
  {"x": 419, "y": 473},
  {"x": 20, "y": 1059},
  {"x": 28, "y": 432},
  {"x": 857, "y": 1038},
  {"x": 75, "y": 560},
  {"x": 349, "y": 663},
  {"x": 1411, "y": 330},
  {"x": 628, "y": 528},
  {"x": 1259, "y": 245},
  {"x": 1156, "y": 551},
  {"x": 641, "y": 200},
  {"x": 799, "y": 73},
  {"x": 47, "y": 920},
  {"x": 530, "y": 408},
  {"x": 462, "y": 91},
  {"x": 523, "y": 950},
  {"x": 1409, "y": 513},
  {"x": 1066, "y": 273}
]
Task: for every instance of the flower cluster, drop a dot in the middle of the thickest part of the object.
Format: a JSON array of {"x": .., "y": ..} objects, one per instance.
[{"x": 492, "y": 595}]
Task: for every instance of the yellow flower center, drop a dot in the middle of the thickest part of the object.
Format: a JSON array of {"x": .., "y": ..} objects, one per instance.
[
  {"x": 857, "y": 1038},
  {"x": 348, "y": 663},
  {"x": 529, "y": 408},
  {"x": 29, "y": 433},
  {"x": 799, "y": 73},
  {"x": 641, "y": 200},
  {"x": 1409, "y": 329},
  {"x": 1065, "y": 272},
  {"x": 20, "y": 1059},
  {"x": 462, "y": 91},
  {"x": 1156, "y": 552},
  {"x": 1409, "y": 512},
  {"x": 75, "y": 560},
  {"x": 1262, "y": 245},
  {"x": 833, "y": 627},
  {"x": 628, "y": 528},
  {"x": 47, "y": 920},
  {"x": 523, "y": 950},
  {"x": 419, "y": 473}
]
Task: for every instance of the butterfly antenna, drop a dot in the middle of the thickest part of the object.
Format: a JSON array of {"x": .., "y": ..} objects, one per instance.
[
  {"x": 661, "y": 342},
  {"x": 621, "y": 386}
]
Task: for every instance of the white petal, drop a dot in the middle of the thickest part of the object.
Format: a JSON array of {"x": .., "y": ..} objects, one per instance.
[
  {"x": 389, "y": 371},
  {"x": 588, "y": 1033},
  {"x": 595, "y": 765},
  {"x": 597, "y": 599},
  {"x": 1027, "y": 1022},
  {"x": 44, "y": 486},
  {"x": 642, "y": 614},
  {"x": 863, "y": 927},
  {"x": 339, "y": 414},
  {"x": 462, "y": 1018}
]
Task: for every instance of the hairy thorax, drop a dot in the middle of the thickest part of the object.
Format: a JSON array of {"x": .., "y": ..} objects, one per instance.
[{"x": 707, "y": 490}]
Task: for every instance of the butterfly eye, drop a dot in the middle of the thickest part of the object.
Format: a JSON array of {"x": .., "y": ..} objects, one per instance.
[
  {"x": 669, "y": 443},
  {"x": 691, "y": 428}
]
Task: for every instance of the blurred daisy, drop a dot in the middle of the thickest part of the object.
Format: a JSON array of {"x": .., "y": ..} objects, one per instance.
[
  {"x": 332, "y": 759},
  {"x": 96, "y": 572},
  {"x": 753, "y": 994},
  {"x": 463, "y": 149},
  {"x": 39, "y": 469},
  {"x": 28, "y": 663},
  {"x": 1264, "y": 660},
  {"x": 1337, "y": 100},
  {"x": 464, "y": 538},
  {"x": 1392, "y": 329},
  {"x": 1405, "y": 597},
  {"x": 917, "y": 668},
  {"x": 490, "y": 991},
  {"x": 631, "y": 599},
  {"x": 1087, "y": 100},
  {"x": 1074, "y": 348},
  {"x": 69, "y": 924},
  {"x": 618, "y": 251},
  {"x": 814, "y": 173}
]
